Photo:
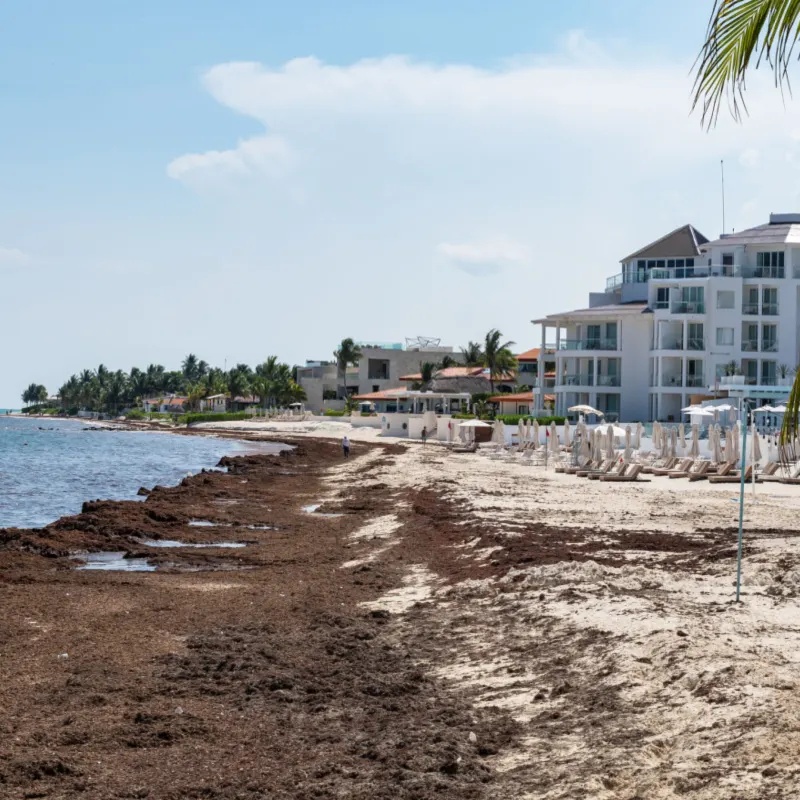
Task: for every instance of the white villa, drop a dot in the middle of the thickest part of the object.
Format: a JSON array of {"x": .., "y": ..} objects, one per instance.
[{"x": 686, "y": 319}]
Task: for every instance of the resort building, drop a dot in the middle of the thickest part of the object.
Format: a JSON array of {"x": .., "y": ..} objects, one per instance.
[
  {"x": 473, "y": 380},
  {"x": 685, "y": 319},
  {"x": 380, "y": 367}
]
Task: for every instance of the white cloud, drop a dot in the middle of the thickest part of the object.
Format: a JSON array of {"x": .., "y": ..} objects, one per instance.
[
  {"x": 483, "y": 258},
  {"x": 11, "y": 257},
  {"x": 545, "y": 170}
]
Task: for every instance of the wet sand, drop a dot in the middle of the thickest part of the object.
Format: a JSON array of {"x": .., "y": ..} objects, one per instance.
[{"x": 440, "y": 626}]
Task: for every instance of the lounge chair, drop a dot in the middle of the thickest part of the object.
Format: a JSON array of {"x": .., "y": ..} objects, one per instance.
[
  {"x": 617, "y": 469},
  {"x": 720, "y": 470},
  {"x": 604, "y": 466},
  {"x": 734, "y": 477},
  {"x": 583, "y": 463},
  {"x": 769, "y": 474},
  {"x": 794, "y": 477},
  {"x": 681, "y": 466},
  {"x": 629, "y": 474},
  {"x": 664, "y": 463},
  {"x": 465, "y": 448},
  {"x": 698, "y": 468}
]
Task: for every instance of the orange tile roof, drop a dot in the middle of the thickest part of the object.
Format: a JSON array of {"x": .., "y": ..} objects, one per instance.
[
  {"x": 500, "y": 398},
  {"x": 386, "y": 394},
  {"x": 533, "y": 355},
  {"x": 460, "y": 372}
]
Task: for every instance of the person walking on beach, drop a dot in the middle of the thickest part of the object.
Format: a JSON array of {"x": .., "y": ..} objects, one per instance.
[
  {"x": 346, "y": 447},
  {"x": 424, "y": 435}
]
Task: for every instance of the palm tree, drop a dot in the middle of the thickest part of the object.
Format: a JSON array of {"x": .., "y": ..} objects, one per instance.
[
  {"x": 138, "y": 384},
  {"x": 346, "y": 354},
  {"x": 447, "y": 361},
  {"x": 741, "y": 34},
  {"x": 102, "y": 375},
  {"x": 427, "y": 372},
  {"x": 115, "y": 391},
  {"x": 190, "y": 368},
  {"x": 473, "y": 355},
  {"x": 497, "y": 356},
  {"x": 238, "y": 384}
]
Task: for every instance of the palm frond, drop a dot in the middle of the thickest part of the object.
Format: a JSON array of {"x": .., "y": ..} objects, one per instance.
[
  {"x": 739, "y": 33},
  {"x": 790, "y": 430}
]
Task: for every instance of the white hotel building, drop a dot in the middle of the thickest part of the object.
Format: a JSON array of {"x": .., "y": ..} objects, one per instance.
[{"x": 670, "y": 327}]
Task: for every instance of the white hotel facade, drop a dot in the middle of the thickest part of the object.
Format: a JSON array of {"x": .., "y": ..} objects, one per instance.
[{"x": 683, "y": 314}]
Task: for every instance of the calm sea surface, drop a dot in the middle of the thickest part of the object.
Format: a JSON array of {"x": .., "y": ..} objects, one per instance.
[{"x": 45, "y": 474}]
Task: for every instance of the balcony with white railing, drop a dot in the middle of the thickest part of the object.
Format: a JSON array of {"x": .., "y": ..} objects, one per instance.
[
  {"x": 750, "y": 308},
  {"x": 609, "y": 380},
  {"x": 769, "y": 309},
  {"x": 672, "y": 381},
  {"x": 684, "y": 307},
  {"x": 769, "y": 346},
  {"x": 588, "y": 344},
  {"x": 577, "y": 379},
  {"x": 750, "y": 345},
  {"x": 695, "y": 343},
  {"x": 695, "y": 381}
]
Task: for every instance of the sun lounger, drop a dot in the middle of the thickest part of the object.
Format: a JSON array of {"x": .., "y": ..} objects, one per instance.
[
  {"x": 794, "y": 477},
  {"x": 769, "y": 474},
  {"x": 666, "y": 463},
  {"x": 603, "y": 466},
  {"x": 720, "y": 470},
  {"x": 628, "y": 475},
  {"x": 465, "y": 448},
  {"x": 734, "y": 477},
  {"x": 680, "y": 466},
  {"x": 617, "y": 469},
  {"x": 698, "y": 468}
]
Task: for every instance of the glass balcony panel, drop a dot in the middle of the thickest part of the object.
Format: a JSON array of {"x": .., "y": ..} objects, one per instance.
[{"x": 749, "y": 308}]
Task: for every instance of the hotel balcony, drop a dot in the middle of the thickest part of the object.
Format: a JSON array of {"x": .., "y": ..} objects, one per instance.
[
  {"x": 688, "y": 308},
  {"x": 749, "y": 308},
  {"x": 695, "y": 381},
  {"x": 750, "y": 345},
  {"x": 769, "y": 309},
  {"x": 576, "y": 380},
  {"x": 588, "y": 344},
  {"x": 769, "y": 346},
  {"x": 672, "y": 381},
  {"x": 609, "y": 380}
]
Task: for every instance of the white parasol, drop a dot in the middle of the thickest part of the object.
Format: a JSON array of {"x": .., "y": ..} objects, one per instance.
[
  {"x": 694, "y": 448},
  {"x": 637, "y": 442},
  {"x": 499, "y": 432},
  {"x": 566, "y": 433}
]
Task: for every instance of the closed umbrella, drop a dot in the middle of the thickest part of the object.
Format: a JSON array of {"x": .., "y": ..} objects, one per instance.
[
  {"x": 681, "y": 438},
  {"x": 610, "y": 451},
  {"x": 637, "y": 442},
  {"x": 673, "y": 447},
  {"x": 566, "y": 433},
  {"x": 586, "y": 443},
  {"x": 553, "y": 438},
  {"x": 732, "y": 445},
  {"x": 755, "y": 447},
  {"x": 535, "y": 438},
  {"x": 694, "y": 448},
  {"x": 656, "y": 440},
  {"x": 628, "y": 434},
  {"x": 713, "y": 435},
  {"x": 499, "y": 432},
  {"x": 663, "y": 440},
  {"x": 597, "y": 450}
]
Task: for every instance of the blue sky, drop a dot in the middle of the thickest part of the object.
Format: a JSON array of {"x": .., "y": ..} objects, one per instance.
[{"x": 241, "y": 179}]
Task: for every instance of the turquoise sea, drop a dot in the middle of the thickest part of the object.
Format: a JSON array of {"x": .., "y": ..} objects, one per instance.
[{"x": 49, "y": 467}]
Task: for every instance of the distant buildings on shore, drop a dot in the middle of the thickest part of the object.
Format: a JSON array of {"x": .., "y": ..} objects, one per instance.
[{"x": 684, "y": 320}]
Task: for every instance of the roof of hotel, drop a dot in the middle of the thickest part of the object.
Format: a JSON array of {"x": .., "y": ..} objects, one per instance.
[
  {"x": 598, "y": 312},
  {"x": 770, "y": 233},
  {"x": 533, "y": 355},
  {"x": 683, "y": 241},
  {"x": 502, "y": 398}
]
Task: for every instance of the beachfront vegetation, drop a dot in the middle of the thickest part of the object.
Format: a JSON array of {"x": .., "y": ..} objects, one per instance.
[
  {"x": 189, "y": 419},
  {"x": 497, "y": 356},
  {"x": 35, "y": 393},
  {"x": 346, "y": 354},
  {"x": 271, "y": 383},
  {"x": 473, "y": 355}
]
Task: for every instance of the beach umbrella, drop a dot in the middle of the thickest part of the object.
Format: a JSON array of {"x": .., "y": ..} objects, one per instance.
[
  {"x": 553, "y": 437},
  {"x": 694, "y": 448},
  {"x": 681, "y": 439},
  {"x": 628, "y": 434},
  {"x": 474, "y": 423},
  {"x": 637, "y": 442},
  {"x": 663, "y": 442},
  {"x": 535, "y": 438},
  {"x": 499, "y": 432},
  {"x": 586, "y": 443},
  {"x": 566, "y": 433},
  {"x": 732, "y": 445},
  {"x": 610, "y": 451},
  {"x": 525, "y": 430},
  {"x": 583, "y": 409},
  {"x": 755, "y": 447},
  {"x": 597, "y": 452},
  {"x": 656, "y": 440},
  {"x": 673, "y": 445},
  {"x": 713, "y": 443}
]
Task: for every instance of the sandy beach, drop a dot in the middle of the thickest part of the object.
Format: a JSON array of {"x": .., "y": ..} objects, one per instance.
[{"x": 409, "y": 623}]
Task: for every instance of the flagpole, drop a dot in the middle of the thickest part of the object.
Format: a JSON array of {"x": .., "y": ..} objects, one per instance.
[{"x": 741, "y": 516}]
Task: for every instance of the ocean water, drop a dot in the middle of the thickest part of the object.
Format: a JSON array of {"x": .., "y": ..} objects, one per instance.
[{"x": 49, "y": 467}]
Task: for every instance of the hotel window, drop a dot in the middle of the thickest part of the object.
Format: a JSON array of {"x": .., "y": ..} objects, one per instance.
[
  {"x": 725, "y": 337},
  {"x": 726, "y": 299},
  {"x": 662, "y": 297},
  {"x": 774, "y": 259}
]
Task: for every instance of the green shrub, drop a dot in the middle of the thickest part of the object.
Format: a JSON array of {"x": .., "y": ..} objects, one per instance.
[
  {"x": 329, "y": 412},
  {"x": 329, "y": 394},
  {"x": 463, "y": 416},
  {"x": 136, "y": 413},
  {"x": 192, "y": 418}
]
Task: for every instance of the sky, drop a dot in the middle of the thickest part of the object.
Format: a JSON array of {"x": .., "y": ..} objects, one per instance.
[{"x": 242, "y": 179}]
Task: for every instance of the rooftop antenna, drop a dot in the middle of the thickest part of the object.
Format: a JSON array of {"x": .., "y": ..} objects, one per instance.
[{"x": 722, "y": 173}]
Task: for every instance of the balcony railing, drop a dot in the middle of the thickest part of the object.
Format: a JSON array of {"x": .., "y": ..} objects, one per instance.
[
  {"x": 769, "y": 309},
  {"x": 750, "y": 345},
  {"x": 760, "y": 272},
  {"x": 549, "y": 383},
  {"x": 660, "y": 305},
  {"x": 689, "y": 308},
  {"x": 769, "y": 346},
  {"x": 588, "y": 344},
  {"x": 672, "y": 380},
  {"x": 577, "y": 380},
  {"x": 608, "y": 380},
  {"x": 695, "y": 380},
  {"x": 671, "y": 344},
  {"x": 749, "y": 308},
  {"x": 696, "y": 344},
  {"x": 767, "y": 380},
  {"x": 614, "y": 282}
]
